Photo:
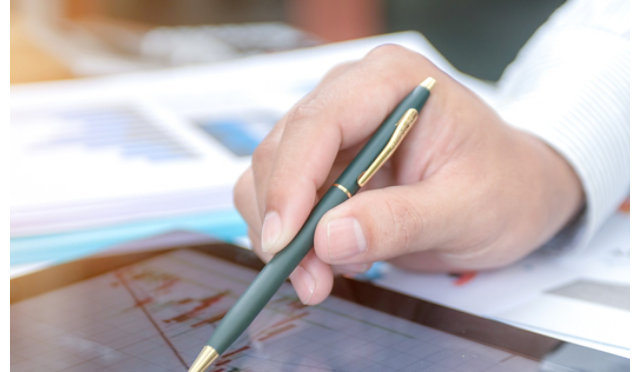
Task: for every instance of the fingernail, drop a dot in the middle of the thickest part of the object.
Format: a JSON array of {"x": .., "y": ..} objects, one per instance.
[
  {"x": 304, "y": 284},
  {"x": 345, "y": 238},
  {"x": 271, "y": 231}
]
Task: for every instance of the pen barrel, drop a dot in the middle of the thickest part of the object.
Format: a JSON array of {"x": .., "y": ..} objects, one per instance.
[
  {"x": 276, "y": 271},
  {"x": 379, "y": 139},
  {"x": 271, "y": 277}
]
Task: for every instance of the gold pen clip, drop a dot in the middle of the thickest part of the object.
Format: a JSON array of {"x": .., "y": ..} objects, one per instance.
[{"x": 402, "y": 128}]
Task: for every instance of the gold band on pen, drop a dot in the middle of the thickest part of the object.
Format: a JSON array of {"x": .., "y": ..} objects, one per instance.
[{"x": 343, "y": 189}]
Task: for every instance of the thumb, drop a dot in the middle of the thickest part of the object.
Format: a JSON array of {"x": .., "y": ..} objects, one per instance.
[{"x": 382, "y": 223}]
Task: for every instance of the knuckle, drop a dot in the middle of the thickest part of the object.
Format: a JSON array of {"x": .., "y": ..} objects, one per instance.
[
  {"x": 337, "y": 70},
  {"x": 310, "y": 107},
  {"x": 387, "y": 53},
  {"x": 264, "y": 151},
  {"x": 396, "y": 65}
]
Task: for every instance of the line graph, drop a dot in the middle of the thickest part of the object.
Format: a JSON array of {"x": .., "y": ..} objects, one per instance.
[
  {"x": 141, "y": 304},
  {"x": 165, "y": 300},
  {"x": 156, "y": 315}
]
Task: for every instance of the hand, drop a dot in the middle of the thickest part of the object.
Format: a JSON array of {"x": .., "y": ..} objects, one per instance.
[{"x": 464, "y": 190}]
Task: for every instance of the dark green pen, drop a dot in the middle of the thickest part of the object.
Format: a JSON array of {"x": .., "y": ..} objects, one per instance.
[{"x": 378, "y": 149}]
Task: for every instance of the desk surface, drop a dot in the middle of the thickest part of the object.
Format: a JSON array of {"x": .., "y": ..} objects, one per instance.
[{"x": 29, "y": 61}]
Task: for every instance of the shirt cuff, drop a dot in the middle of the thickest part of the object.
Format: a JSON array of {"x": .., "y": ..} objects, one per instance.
[{"x": 578, "y": 103}]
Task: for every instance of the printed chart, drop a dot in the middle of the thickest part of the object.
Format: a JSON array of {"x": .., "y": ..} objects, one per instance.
[
  {"x": 157, "y": 315},
  {"x": 120, "y": 128}
]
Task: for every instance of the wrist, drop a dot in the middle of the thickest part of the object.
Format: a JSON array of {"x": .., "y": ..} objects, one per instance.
[{"x": 562, "y": 195}]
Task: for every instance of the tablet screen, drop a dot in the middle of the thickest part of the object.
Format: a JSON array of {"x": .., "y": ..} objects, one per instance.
[{"x": 158, "y": 313}]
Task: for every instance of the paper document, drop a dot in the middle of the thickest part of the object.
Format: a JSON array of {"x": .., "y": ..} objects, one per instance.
[
  {"x": 96, "y": 152},
  {"x": 581, "y": 297}
]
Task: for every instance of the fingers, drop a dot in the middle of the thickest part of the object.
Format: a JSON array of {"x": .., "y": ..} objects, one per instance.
[
  {"x": 312, "y": 280},
  {"x": 351, "y": 269},
  {"x": 342, "y": 112},
  {"x": 264, "y": 156},
  {"x": 245, "y": 201},
  {"x": 394, "y": 221}
]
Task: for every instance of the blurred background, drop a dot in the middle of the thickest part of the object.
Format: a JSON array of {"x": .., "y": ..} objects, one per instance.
[{"x": 62, "y": 39}]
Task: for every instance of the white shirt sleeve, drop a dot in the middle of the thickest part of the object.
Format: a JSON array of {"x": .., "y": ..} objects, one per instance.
[{"x": 569, "y": 86}]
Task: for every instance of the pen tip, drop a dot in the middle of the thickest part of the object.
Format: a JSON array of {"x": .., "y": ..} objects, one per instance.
[
  {"x": 428, "y": 83},
  {"x": 204, "y": 359}
]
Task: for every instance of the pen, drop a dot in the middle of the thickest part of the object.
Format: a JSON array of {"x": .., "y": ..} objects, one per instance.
[{"x": 373, "y": 155}]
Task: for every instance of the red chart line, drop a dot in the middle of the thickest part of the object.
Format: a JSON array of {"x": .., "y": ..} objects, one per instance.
[
  {"x": 277, "y": 332},
  {"x": 142, "y": 307}
]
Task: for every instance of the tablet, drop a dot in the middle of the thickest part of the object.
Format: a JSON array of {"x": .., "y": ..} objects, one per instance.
[{"x": 155, "y": 311}]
